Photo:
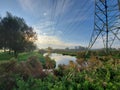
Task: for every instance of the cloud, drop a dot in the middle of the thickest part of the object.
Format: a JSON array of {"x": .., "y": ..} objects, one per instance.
[
  {"x": 45, "y": 7},
  {"x": 55, "y": 12},
  {"x": 63, "y": 6},
  {"x": 50, "y": 37},
  {"x": 27, "y": 5},
  {"x": 53, "y": 41},
  {"x": 46, "y": 28},
  {"x": 37, "y": 8}
]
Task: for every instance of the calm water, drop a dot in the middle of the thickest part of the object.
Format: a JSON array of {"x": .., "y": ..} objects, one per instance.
[{"x": 61, "y": 59}]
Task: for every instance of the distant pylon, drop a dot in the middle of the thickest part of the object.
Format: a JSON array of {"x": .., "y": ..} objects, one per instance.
[{"x": 106, "y": 24}]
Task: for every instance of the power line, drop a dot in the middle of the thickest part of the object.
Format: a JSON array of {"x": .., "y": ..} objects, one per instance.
[
  {"x": 73, "y": 25},
  {"x": 62, "y": 7},
  {"x": 88, "y": 15}
]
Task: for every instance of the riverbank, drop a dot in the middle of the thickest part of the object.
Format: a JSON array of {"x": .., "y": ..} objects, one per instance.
[{"x": 29, "y": 74}]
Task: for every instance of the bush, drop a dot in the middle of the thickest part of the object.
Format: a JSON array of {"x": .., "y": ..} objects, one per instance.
[{"x": 25, "y": 69}]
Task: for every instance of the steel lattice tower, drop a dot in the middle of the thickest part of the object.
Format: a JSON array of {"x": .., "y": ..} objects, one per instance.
[{"x": 106, "y": 23}]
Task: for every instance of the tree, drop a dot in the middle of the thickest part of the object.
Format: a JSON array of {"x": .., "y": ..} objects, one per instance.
[
  {"x": 0, "y": 35},
  {"x": 16, "y": 34}
]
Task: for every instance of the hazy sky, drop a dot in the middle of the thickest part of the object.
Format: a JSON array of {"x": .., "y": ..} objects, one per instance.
[{"x": 59, "y": 23}]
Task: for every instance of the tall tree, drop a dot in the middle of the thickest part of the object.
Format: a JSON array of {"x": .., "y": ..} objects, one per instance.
[{"x": 16, "y": 34}]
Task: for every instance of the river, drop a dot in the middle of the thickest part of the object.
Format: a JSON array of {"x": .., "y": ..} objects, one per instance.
[{"x": 62, "y": 59}]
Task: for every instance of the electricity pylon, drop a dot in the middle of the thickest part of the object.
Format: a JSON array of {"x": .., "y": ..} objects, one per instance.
[{"x": 106, "y": 24}]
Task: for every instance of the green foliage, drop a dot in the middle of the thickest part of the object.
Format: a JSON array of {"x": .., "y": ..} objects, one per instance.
[
  {"x": 24, "y": 56},
  {"x": 98, "y": 75},
  {"x": 5, "y": 56},
  {"x": 77, "y": 82}
]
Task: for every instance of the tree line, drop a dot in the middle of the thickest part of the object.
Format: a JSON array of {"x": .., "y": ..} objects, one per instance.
[{"x": 15, "y": 35}]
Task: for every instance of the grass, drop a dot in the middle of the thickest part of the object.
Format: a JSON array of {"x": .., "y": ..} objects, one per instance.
[
  {"x": 24, "y": 56},
  {"x": 4, "y": 56}
]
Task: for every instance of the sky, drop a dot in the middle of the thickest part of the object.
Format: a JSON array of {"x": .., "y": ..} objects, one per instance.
[{"x": 58, "y": 23}]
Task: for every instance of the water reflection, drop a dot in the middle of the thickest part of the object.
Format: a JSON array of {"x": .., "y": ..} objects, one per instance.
[{"x": 61, "y": 59}]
